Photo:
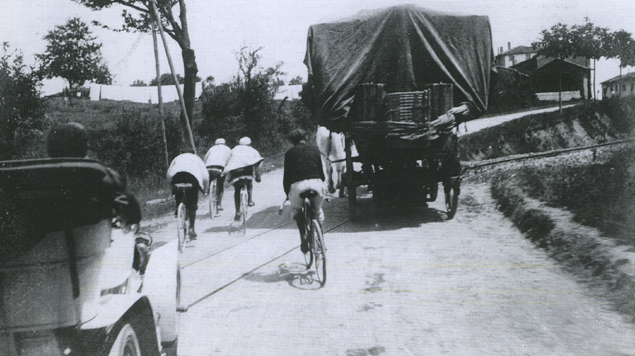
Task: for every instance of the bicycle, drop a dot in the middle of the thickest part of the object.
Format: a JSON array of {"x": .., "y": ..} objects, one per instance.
[
  {"x": 183, "y": 223},
  {"x": 244, "y": 205},
  {"x": 213, "y": 204},
  {"x": 214, "y": 176},
  {"x": 315, "y": 236}
]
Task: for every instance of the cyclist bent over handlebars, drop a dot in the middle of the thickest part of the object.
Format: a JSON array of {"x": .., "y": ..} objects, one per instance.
[
  {"x": 242, "y": 167},
  {"x": 188, "y": 168},
  {"x": 303, "y": 171}
]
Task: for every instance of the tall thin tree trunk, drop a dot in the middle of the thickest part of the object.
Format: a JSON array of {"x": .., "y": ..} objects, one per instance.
[
  {"x": 184, "y": 118},
  {"x": 189, "y": 64},
  {"x": 619, "y": 91},
  {"x": 189, "y": 86},
  {"x": 560, "y": 88},
  {"x": 594, "y": 96}
]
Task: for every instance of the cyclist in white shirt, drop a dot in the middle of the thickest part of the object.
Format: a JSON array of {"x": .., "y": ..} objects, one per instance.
[{"x": 215, "y": 161}]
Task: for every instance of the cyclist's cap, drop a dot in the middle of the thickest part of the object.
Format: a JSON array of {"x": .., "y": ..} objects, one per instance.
[
  {"x": 187, "y": 149},
  {"x": 68, "y": 140},
  {"x": 245, "y": 141},
  {"x": 219, "y": 141}
]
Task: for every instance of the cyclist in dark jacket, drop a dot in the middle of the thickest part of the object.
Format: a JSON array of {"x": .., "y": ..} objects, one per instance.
[{"x": 303, "y": 171}]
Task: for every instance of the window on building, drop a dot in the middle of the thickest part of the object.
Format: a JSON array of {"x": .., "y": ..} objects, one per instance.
[{"x": 623, "y": 87}]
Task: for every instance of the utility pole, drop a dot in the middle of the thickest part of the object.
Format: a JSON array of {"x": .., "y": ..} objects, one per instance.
[
  {"x": 158, "y": 68},
  {"x": 176, "y": 80}
]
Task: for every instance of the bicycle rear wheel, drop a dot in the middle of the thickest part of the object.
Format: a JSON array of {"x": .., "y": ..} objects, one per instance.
[
  {"x": 212, "y": 199},
  {"x": 319, "y": 252},
  {"x": 243, "y": 208},
  {"x": 182, "y": 226},
  {"x": 308, "y": 232}
]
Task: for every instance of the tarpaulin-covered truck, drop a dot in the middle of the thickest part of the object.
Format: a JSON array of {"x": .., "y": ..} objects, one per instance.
[{"x": 397, "y": 81}]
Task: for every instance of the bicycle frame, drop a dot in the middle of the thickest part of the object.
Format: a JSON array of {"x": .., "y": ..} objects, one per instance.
[
  {"x": 213, "y": 203},
  {"x": 244, "y": 196},
  {"x": 315, "y": 237},
  {"x": 183, "y": 224}
]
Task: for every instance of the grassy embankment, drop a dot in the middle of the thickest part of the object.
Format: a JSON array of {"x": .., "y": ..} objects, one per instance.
[{"x": 579, "y": 207}]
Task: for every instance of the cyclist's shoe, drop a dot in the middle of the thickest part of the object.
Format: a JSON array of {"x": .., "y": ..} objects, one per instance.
[
  {"x": 219, "y": 208},
  {"x": 251, "y": 203},
  {"x": 304, "y": 246},
  {"x": 237, "y": 217},
  {"x": 193, "y": 235}
]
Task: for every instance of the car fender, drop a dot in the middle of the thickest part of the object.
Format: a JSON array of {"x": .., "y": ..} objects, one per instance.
[{"x": 161, "y": 287}]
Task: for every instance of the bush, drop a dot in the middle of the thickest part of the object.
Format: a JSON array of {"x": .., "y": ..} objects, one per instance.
[
  {"x": 135, "y": 146},
  {"x": 506, "y": 194},
  {"x": 232, "y": 111},
  {"x": 22, "y": 111},
  {"x": 519, "y": 95}
]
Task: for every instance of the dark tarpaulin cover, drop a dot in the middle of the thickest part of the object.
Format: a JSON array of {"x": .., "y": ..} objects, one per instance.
[{"x": 405, "y": 47}]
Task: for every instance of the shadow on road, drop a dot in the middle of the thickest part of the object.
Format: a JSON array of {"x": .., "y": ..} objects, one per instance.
[
  {"x": 370, "y": 216},
  {"x": 295, "y": 274}
]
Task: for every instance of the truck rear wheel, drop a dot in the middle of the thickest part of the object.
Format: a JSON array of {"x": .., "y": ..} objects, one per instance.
[{"x": 452, "y": 190}]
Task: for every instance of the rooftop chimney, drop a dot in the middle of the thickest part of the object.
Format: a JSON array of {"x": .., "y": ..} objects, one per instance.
[{"x": 509, "y": 45}]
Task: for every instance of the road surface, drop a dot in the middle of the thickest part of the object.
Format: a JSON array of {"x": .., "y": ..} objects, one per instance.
[
  {"x": 400, "y": 282},
  {"x": 479, "y": 124}
]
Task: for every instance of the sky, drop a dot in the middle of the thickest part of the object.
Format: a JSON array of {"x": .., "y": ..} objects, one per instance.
[{"x": 218, "y": 29}]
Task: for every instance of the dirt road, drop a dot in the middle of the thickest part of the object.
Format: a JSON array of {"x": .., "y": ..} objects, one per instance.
[{"x": 399, "y": 283}]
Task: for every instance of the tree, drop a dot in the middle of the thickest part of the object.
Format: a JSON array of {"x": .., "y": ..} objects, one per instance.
[
  {"x": 621, "y": 46},
  {"x": 22, "y": 111},
  {"x": 245, "y": 106},
  {"x": 73, "y": 54},
  {"x": 210, "y": 81},
  {"x": 259, "y": 87},
  {"x": 167, "y": 79},
  {"x": 140, "y": 19},
  {"x": 591, "y": 42},
  {"x": 557, "y": 42},
  {"x": 138, "y": 83},
  {"x": 296, "y": 81}
]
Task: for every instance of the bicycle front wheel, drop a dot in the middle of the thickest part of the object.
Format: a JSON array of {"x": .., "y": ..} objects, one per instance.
[
  {"x": 243, "y": 209},
  {"x": 181, "y": 226},
  {"x": 212, "y": 199},
  {"x": 319, "y": 253}
]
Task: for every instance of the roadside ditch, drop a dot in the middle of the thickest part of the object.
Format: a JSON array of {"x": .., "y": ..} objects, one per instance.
[{"x": 580, "y": 206}]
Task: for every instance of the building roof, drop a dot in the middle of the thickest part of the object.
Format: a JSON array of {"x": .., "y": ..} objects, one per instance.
[
  {"x": 514, "y": 70},
  {"x": 622, "y": 77},
  {"x": 519, "y": 50},
  {"x": 538, "y": 62}
]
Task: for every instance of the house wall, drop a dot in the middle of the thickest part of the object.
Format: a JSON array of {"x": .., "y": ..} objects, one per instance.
[
  {"x": 138, "y": 94},
  {"x": 555, "y": 96},
  {"x": 513, "y": 59},
  {"x": 613, "y": 89},
  {"x": 574, "y": 78}
]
